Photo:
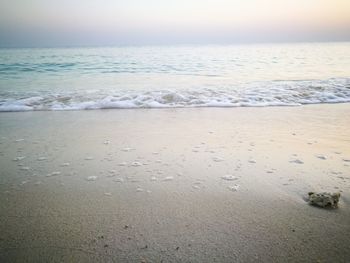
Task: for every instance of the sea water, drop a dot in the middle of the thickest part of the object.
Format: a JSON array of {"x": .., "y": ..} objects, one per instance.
[{"x": 174, "y": 76}]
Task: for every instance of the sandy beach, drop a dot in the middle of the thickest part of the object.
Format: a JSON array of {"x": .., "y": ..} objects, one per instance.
[{"x": 175, "y": 185}]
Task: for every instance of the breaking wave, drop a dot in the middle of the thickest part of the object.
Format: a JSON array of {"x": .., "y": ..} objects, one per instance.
[{"x": 257, "y": 94}]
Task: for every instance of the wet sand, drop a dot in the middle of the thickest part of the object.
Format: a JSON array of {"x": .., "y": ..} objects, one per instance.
[{"x": 174, "y": 185}]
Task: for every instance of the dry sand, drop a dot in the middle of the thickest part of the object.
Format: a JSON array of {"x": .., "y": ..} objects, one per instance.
[{"x": 174, "y": 185}]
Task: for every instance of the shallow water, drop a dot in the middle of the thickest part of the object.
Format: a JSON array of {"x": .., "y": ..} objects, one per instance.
[{"x": 182, "y": 76}]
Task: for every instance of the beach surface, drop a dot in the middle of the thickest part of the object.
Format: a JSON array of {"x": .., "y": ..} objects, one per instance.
[{"x": 175, "y": 185}]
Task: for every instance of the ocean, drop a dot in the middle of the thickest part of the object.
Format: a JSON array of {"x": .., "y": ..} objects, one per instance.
[{"x": 251, "y": 75}]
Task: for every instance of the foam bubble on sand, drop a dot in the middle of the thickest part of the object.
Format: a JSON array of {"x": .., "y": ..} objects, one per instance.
[
  {"x": 153, "y": 178},
  {"x": 65, "y": 164},
  {"x": 297, "y": 161},
  {"x": 91, "y": 178},
  {"x": 218, "y": 159},
  {"x": 168, "y": 178},
  {"x": 53, "y": 174},
  {"x": 19, "y": 158},
  {"x": 42, "y": 158},
  {"x": 118, "y": 180},
  {"x": 229, "y": 177},
  {"x": 89, "y": 158},
  {"x": 136, "y": 164},
  {"x": 234, "y": 188},
  {"x": 127, "y": 149}
]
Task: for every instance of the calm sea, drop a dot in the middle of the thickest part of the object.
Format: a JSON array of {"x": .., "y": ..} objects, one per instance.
[{"x": 174, "y": 76}]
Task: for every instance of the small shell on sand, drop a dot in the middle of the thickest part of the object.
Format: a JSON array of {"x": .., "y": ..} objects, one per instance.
[
  {"x": 229, "y": 177},
  {"x": 324, "y": 199},
  {"x": 19, "y": 158},
  {"x": 127, "y": 149},
  {"x": 168, "y": 178},
  {"x": 91, "y": 178},
  {"x": 297, "y": 161},
  {"x": 135, "y": 164},
  {"x": 53, "y": 174},
  {"x": 234, "y": 188},
  {"x": 218, "y": 159},
  {"x": 118, "y": 180}
]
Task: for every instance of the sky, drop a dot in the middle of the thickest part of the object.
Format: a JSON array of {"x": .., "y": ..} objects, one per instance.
[{"x": 137, "y": 22}]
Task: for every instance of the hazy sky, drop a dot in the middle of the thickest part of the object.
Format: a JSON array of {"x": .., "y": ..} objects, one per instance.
[{"x": 71, "y": 22}]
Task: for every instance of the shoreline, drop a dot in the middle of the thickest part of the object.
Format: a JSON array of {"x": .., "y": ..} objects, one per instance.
[{"x": 141, "y": 185}]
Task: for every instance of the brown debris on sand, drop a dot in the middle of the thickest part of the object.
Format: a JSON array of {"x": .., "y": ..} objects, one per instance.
[{"x": 325, "y": 200}]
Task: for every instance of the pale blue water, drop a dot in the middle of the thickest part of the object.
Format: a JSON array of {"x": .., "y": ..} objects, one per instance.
[{"x": 182, "y": 76}]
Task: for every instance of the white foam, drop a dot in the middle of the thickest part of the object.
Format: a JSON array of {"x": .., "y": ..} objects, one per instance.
[{"x": 254, "y": 94}]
